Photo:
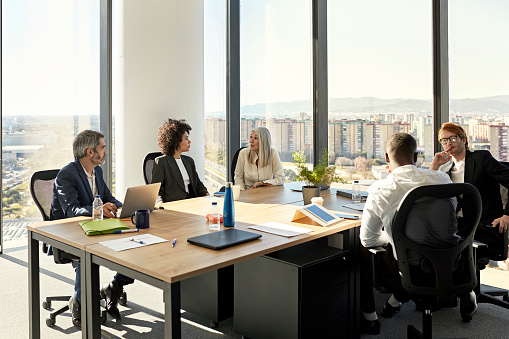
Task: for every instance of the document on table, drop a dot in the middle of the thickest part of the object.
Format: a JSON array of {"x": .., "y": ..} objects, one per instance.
[
  {"x": 132, "y": 242},
  {"x": 281, "y": 229},
  {"x": 357, "y": 207}
]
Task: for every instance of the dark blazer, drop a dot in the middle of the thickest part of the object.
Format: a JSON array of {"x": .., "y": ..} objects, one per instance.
[
  {"x": 167, "y": 172},
  {"x": 486, "y": 174},
  {"x": 72, "y": 194}
]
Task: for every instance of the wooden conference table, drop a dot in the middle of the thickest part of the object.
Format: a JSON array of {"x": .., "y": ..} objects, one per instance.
[{"x": 164, "y": 266}]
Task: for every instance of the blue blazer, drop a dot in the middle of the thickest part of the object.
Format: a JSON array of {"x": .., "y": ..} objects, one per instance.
[{"x": 72, "y": 194}]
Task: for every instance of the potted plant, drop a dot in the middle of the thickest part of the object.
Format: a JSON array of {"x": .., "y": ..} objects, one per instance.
[{"x": 321, "y": 173}]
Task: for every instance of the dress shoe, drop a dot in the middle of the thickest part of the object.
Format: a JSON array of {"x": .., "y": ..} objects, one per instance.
[
  {"x": 111, "y": 293},
  {"x": 388, "y": 310},
  {"x": 75, "y": 308},
  {"x": 370, "y": 326},
  {"x": 468, "y": 304}
]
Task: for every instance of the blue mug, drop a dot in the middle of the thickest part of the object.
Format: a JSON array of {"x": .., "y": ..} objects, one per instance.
[{"x": 142, "y": 218}]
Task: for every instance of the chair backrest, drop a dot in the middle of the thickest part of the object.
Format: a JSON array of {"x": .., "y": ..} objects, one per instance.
[
  {"x": 234, "y": 164},
  {"x": 148, "y": 165},
  {"x": 41, "y": 189},
  {"x": 451, "y": 272}
]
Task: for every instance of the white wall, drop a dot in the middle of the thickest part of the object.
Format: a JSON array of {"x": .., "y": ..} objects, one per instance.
[{"x": 157, "y": 74}]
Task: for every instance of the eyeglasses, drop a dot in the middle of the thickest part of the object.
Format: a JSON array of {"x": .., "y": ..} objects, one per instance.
[{"x": 452, "y": 139}]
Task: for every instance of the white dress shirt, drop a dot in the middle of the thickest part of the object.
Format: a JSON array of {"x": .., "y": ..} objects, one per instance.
[
  {"x": 247, "y": 173},
  {"x": 384, "y": 197},
  {"x": 91, "y": 180},
  {"x": 184, "y": 173}
]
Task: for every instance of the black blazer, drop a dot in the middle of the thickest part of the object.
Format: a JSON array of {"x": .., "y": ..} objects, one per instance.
[
  {"x": 486, "y": 174},
  {"x": 167, "y": 172},
  {"x": 72, "y": 194}
]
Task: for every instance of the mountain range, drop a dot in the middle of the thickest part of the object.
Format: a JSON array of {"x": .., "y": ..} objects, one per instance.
[{"x": 365, "y": 105}]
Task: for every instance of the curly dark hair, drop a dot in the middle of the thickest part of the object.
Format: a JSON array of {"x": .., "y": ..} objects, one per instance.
[{"x": 170, "y": 135}]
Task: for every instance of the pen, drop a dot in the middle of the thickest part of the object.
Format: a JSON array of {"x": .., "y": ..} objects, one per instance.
[
  {"x": 126, "y": 231},
  {"x": 174, "y": 242},
  {"x": 139, "y": 242}
]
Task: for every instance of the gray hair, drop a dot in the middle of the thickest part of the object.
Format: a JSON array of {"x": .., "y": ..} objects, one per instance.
[
  {"x": 85, "y": 140},
  {"x": 263, "y": 135}
]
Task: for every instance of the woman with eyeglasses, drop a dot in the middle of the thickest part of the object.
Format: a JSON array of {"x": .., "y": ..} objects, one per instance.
[{"x": 478, "y": 168}]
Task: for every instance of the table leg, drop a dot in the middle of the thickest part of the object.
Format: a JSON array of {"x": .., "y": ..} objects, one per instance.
[
  {"x": 93, "y": 325},
  {"x": 33, "y": 288},
  {"x": 172, "y": 326}
]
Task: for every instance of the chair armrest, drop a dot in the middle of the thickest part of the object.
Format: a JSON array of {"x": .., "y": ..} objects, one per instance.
[
  {"x": 477, "y": 244},
  {"x": 377, "y": 250}
]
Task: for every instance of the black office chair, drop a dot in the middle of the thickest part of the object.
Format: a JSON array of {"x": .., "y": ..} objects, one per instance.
[
  {"x": 148, "y": 165},
  {"x": 41, "y": 189},
  {"x": 488, "y": 294},
  {"x": 433, "y": 276},
  {"x": 233, "y": 166}
]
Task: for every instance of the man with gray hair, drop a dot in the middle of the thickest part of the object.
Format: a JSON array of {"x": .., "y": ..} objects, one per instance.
[
  {"x": 75, "y": 188},
  {"x": 381, "y": 206}
]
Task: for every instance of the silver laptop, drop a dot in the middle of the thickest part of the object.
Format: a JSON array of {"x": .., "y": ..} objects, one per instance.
[{"x": 139, "y": 198}]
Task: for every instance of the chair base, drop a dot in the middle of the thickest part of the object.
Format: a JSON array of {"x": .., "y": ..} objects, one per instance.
[
  {"x": 52, "y": 320},
  {"x": 490, "y": 297},
  {"x": 414, "y": 333}
]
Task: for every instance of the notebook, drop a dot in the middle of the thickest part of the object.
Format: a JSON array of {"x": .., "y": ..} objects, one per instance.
[
  {"x": 139, "y": 198},
  {"x": 223, "y": 239},
  {"x": 105, "y": 226}
]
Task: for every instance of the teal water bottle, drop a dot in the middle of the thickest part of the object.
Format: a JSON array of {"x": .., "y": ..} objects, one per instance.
[{"x": 228, "y": 211}]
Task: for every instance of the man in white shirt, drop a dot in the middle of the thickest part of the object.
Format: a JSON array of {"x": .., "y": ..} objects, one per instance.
[{"x": 383, "y": 199}]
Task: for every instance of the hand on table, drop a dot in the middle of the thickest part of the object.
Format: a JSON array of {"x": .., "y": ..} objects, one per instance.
[
  {"x": 260, "y": 184},
  {"x": 109, "y": 210}
]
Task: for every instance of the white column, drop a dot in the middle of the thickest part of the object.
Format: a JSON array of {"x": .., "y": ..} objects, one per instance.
[{"x": 157, "y": 74}]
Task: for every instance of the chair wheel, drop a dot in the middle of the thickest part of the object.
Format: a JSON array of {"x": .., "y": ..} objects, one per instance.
[
  {"x": 123, "y": 299},
  {"x": 50, "y": 322},
  {"x": 46, "y": 304},
  {"x": 104, "y": 317},
  {"x": 213, "y": 324},
  {"x": 466, "y": 318}
]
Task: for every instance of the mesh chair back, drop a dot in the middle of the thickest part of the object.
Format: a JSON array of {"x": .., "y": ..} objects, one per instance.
[
  {"x": 148, "y": 165},
  {"x": 443, "y": 261},
  {"x": 234, "y": 164},
  {"x": 41, "y": 189}
]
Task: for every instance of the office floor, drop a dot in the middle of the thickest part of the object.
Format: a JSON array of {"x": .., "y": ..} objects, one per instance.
[{"x": 142, "y": 317}]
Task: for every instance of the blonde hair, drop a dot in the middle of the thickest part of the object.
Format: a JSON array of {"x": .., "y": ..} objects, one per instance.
[{"x": 264, "y": 149}]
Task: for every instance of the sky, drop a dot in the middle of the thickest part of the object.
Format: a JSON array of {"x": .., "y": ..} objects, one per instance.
[
  {"x": 50, "y": 52},
  {"x": 375, "y": 48}
]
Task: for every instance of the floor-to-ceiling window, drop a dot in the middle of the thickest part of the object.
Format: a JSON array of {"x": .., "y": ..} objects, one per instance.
[
  {"x": 380, "y": 81},
  {"x": 215, "y": 93},
  {"x": 479, "y": 73},
  {"x": 50, "y": 89},
  {"x": 275, "y": 75}
]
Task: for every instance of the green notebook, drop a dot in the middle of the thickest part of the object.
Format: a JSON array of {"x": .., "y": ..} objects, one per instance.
[{"x": 105, "y": 226}]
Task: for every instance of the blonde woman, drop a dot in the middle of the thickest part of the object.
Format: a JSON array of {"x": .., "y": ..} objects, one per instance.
[{"x": 258, "y": 164}]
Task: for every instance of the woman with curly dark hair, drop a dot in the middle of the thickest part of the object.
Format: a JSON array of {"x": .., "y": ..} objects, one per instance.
[{"x": 176, "y": 172}]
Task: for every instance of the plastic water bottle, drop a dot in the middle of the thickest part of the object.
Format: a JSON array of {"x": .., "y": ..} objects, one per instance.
[
  {"x": 214, "y": 218},
  {"x": 228, "y": 211},
  {"x": 97, "y": 208},
  {"x": 356, "y": 192}
]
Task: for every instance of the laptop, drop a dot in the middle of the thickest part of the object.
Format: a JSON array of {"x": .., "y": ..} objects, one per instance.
[
  {"x": 223, "y": 239},
  {"x": 139, "y": 198}
]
